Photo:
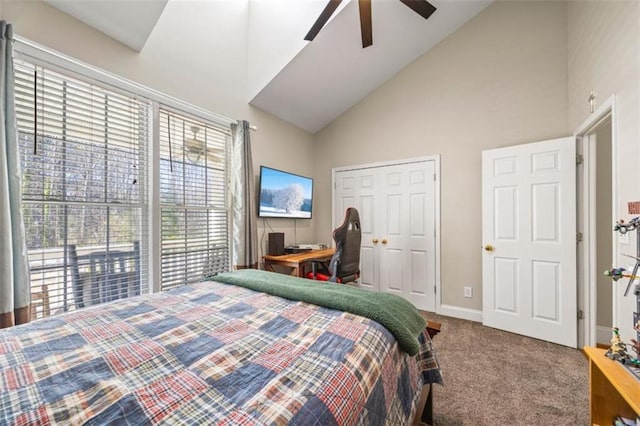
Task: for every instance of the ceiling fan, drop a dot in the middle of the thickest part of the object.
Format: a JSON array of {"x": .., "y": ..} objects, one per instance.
[
  {"x": 196, "y": 149},
  {"x": 421, "y": 7}
]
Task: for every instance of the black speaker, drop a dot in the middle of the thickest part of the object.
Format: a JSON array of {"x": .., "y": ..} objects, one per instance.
[{"x": 276, "y": 243}]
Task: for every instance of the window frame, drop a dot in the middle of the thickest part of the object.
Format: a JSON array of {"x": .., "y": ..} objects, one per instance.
[
  {"x": 156, "y": 203},
  {"x": 38, "y": 55}
]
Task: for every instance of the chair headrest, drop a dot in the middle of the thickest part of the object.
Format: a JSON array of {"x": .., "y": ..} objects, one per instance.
[{"x": 351, "y": 224}]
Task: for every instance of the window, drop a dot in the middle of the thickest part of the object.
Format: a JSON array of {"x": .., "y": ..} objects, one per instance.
[
  {"x": 93, "y": 232},
  {"x": 193, "y": 199},
  {"x": 84, "y": 165}
]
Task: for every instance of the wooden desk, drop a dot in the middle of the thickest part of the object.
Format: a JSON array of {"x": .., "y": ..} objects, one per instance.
[
  {"x": 613, "y": 391},
  {"x": 296, "y": 262}
]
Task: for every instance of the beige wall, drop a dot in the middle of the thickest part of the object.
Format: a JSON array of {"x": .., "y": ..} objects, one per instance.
[
  {"x": 604, "y": 225},
  {"x": 500, "y": 80},
  {"x": 519, "y": 72},
  {"x": 196, "y": 53},
  {"x": 604, "y": 57}
]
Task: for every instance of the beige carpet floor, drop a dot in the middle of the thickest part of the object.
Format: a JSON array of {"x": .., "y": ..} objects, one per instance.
[{"x": 493, "y": 377}]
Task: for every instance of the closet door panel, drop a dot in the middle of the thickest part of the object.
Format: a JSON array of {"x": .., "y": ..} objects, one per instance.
[{"x": 397, "y": 213}]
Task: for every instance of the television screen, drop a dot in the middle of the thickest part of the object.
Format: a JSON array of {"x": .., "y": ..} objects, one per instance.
[{"x": 284, "y": 194}]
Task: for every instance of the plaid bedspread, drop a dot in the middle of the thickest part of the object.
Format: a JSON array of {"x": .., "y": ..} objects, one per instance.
[{"x": 209, "y": 353}]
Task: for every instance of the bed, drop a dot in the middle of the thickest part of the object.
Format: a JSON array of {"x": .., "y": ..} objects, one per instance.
[{"x": 222, "y": 352}]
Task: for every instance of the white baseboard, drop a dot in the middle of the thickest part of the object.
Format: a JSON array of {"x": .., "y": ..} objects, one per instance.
[
  {"x": 462, "y": 313},
  {"x": 603, "y": 334}
]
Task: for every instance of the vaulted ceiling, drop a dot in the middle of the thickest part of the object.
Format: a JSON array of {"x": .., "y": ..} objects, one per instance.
[{"x": 308, "y": 84}]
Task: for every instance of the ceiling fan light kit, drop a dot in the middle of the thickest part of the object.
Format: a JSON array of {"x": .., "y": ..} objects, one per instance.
[
  {"x": 421, "y": 7},
  {"x": 193, "y": 147},
  {"x": 197, "y": 151}
]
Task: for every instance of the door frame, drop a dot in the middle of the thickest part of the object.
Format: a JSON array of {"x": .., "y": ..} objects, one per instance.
[
  {"x": 436, "y": 198},
  {"x": 586, "y": 260}
]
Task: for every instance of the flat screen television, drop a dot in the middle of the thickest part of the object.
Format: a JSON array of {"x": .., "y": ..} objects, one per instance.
[{"x": 284, "y": 194}]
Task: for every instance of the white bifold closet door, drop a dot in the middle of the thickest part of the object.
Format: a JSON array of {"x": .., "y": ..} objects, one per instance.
[{"x": 397, "y": 213}]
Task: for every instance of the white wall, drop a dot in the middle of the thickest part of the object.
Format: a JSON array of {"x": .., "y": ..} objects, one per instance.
[
  {"x": 499, "y": 80},
  {"x": 604, "y": 57},
  {"x": 197, "y": 53},
  {"x": 276, "y": 35}
]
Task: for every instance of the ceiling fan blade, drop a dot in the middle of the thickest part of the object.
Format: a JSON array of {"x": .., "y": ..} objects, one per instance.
[
  {"x": 365, "y": 22},
  {"x": 421, "y": 7},
  {"x": 322, "y": 19}
]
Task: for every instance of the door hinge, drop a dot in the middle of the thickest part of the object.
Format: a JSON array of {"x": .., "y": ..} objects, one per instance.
[
  {"x": 579, "y": 159},
  {"x": 580, "y": 314},
  {"x": 434, "y": 290},
  {"x": 434, "y": 177},
  {"x": 578, "y": 237}
]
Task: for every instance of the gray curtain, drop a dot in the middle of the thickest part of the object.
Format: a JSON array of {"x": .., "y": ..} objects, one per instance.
[
  {"x": 14, "y": 267},
  {"x": 245, "y": 231}
]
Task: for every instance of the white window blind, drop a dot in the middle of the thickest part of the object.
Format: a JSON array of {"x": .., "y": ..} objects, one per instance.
[
  {"x": 193, "y": 199},
  {"x": 84, "y": 164}
]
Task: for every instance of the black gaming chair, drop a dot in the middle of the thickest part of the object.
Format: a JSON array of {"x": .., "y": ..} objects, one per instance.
[{"x": 345, "y": 263}]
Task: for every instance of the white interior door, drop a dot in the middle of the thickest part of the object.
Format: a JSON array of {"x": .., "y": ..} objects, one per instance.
[
  {"x": 529, "y": 233},
  {"x": 398, "y": 214},
  {"x": 407, "y": 232}
]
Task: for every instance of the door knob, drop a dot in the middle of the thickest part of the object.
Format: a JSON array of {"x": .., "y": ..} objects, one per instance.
[
  {"x": 488, "y": 247},
  {"x": 375, "y": 241},
  {"x": 384, "y": 241}
]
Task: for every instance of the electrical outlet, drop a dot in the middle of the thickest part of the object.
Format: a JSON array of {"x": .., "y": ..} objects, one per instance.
[{"x": 468, "y": 292}]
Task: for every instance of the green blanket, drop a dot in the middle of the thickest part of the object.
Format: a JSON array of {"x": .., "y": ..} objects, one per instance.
[{"x": 399, "y": 316}]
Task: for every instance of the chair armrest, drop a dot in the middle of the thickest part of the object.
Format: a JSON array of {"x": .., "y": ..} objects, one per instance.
[{"x": 314, "y": 266}]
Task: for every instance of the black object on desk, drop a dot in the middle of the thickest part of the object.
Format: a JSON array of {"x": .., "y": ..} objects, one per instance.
[{"x": 276, "y": 243}]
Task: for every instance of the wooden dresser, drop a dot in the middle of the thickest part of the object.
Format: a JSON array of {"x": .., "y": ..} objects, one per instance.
[{"x": 613, "y": 391}]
